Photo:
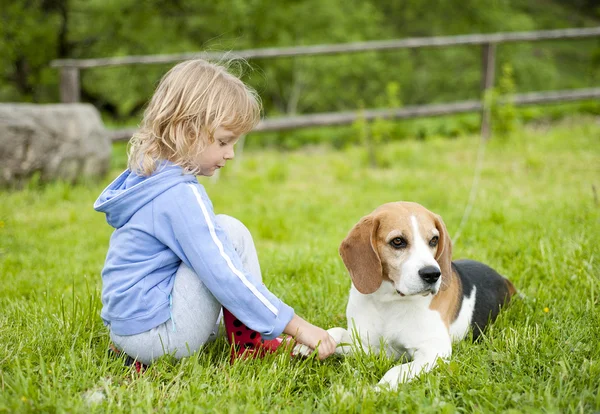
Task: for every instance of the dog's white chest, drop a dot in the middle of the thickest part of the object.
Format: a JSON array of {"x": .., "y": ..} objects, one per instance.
[{"x": 402, "y": 326}]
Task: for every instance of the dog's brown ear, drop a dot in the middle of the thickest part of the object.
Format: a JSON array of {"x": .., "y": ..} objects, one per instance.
[
  {"x": 360, "y": 256},
  {"x": 444, "y": 253}
]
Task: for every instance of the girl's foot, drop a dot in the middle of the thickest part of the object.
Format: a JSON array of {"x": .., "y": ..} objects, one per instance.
[
  {"x": 129, "y": 361},
  {"x": 247, "y": 343}
]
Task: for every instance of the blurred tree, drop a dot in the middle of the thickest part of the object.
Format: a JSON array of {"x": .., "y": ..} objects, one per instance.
[
  {"x": 34, "y": 32},
  {"x": 28, "y": 42}
]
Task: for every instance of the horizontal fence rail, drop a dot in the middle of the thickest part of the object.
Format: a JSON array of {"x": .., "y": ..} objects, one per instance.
[
  {"x": 407, "y": 112},
  {"x": 70, "y": 76},
  {"x": 356, "y": 47}
]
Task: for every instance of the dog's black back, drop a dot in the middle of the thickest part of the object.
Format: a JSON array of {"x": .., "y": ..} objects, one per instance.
[{"x": 493, "y": 291}]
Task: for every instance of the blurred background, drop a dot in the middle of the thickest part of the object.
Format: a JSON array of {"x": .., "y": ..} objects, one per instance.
[{"x": 35, "y": 32}]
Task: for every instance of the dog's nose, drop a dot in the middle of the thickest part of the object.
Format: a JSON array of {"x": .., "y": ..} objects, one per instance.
[{"x": 430, "y": 274}]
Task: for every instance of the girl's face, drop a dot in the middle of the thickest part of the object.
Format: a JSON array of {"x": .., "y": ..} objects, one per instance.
[{"x": 217, "y": 153}]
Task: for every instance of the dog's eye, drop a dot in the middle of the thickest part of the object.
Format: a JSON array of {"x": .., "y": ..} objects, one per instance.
[
  {"x": 434, "y": 241},
  {"x": 398, "y": 243}
]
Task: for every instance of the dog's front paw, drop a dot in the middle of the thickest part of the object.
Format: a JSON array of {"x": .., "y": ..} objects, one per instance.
[
  {"x": 395, "y": 376},
  {"x": 338, "y": 334},
  {"x": 301, "y": 350},
  {"x": 383, "y": 387},
  {"x": 342, "y": 339}
]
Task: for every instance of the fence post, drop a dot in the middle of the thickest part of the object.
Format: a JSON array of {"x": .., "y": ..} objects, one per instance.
[
  {"x": 69, "y": 84},
  {"x": 487, "y": 82}
]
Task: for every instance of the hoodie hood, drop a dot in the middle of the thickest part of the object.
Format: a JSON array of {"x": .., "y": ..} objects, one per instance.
[{"x": 129, "y": 192}]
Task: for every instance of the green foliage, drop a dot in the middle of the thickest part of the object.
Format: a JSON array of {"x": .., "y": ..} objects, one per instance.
[
  {"x": 28, "y": 42},
  {"x": 535, "y": 219},
  {"x": 500, "y": 101},
  {"x": 361, "y": 127},
  {"x": 372, "y": 134},
  {"x": 383, "y": 129},
  {"x": 34, "y": 32}
]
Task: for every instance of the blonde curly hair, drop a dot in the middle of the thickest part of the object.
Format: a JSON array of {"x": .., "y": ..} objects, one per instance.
[{"x": 191, "y": 101}]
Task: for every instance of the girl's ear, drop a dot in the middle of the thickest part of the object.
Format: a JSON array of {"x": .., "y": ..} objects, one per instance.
[
  {"x": 444, "y": 252},
  {"x": 360, "y": 256}
]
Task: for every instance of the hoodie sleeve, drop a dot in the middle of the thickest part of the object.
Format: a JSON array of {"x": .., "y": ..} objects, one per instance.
[{"x": 184, "y": 220}]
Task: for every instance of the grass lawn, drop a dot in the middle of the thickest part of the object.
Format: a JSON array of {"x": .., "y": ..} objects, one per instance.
[{"x": 536, "y": 219}]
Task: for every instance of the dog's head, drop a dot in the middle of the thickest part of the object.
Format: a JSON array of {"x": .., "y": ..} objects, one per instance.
[{"x": 403, "y": 243}]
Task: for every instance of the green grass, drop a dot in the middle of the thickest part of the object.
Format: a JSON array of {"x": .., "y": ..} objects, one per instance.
[{"x": 536, "y": 219}]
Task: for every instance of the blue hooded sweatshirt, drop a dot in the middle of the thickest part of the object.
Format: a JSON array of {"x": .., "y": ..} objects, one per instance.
[{"x": 160, "y": 221}]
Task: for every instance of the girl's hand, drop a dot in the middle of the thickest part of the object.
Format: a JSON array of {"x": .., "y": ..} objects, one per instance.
[{"x": 311, "y": 337}]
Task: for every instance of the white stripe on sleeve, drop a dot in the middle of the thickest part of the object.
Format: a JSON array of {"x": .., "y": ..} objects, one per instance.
[{"x": 238, "y": 273}]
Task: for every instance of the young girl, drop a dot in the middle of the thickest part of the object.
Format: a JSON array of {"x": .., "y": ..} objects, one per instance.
[{"x": 172, "y": 264}]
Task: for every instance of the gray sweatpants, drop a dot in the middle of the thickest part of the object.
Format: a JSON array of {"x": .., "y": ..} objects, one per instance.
[{"x": 195, "y": 311}]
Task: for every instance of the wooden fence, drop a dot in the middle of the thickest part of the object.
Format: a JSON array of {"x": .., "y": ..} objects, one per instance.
[{"x": 70, "y": 76}]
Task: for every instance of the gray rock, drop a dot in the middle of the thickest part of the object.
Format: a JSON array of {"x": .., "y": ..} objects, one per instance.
[{"x": 58, "y": 141}]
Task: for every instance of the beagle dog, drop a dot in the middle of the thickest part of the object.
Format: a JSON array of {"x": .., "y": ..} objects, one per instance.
[{"x": 407, "y": 297}]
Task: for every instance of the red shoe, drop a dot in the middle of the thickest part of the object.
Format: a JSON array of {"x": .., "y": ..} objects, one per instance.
[
  {"x": 128, "y": 361},
  {"x": 246, "y": 343}
]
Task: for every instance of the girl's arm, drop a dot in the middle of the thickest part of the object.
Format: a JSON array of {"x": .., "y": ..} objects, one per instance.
[{"x": 185, "y": 222}]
